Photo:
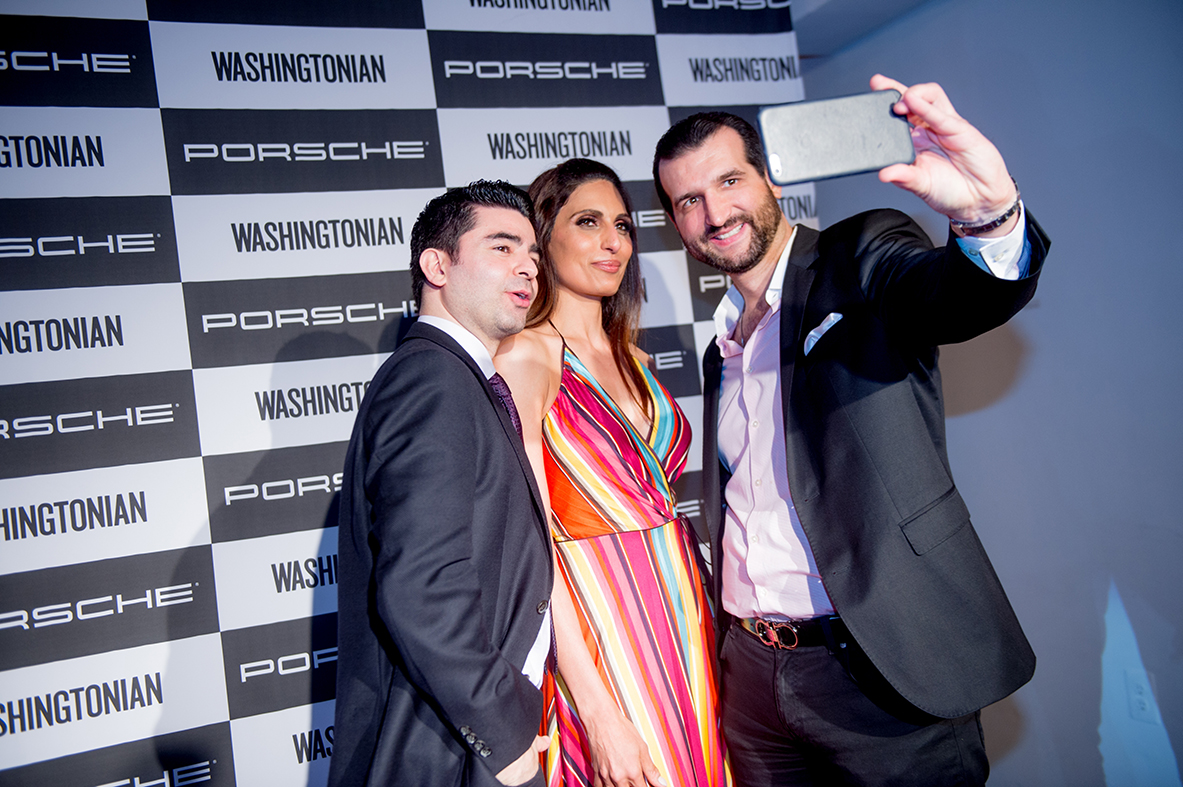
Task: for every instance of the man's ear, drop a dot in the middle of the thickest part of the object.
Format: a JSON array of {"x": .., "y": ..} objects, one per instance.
[
  {"x": 434, "y": 263},
  {"x": 776, "y": 190}
]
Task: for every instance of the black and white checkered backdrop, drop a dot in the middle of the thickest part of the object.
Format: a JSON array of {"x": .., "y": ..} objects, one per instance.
[{"x": 205, "y": 211}]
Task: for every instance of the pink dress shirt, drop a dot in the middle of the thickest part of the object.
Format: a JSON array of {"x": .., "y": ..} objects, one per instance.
[{"x": 768, "y": 567}]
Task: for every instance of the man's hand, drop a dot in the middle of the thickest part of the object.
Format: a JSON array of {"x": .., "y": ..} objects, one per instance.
[
  {"x": 523, "y": 768},
  {"x": 957, "y": 171}
]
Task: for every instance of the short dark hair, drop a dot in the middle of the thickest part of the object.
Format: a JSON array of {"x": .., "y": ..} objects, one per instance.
[
  {"x": 450, "y": 215},
  {"x": 690, "y": 133}
]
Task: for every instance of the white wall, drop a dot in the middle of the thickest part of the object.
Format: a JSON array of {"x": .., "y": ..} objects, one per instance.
[{"x": 1064, "y": 427}]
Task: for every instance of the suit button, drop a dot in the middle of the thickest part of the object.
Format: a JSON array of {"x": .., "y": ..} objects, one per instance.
[{"x": 542, "y": 606}]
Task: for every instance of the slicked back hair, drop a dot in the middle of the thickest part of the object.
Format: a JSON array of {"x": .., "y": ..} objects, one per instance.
[
  {"x": 451, "y": 214},
  {"x": 691, "y": 133},
  {"x": 621, "y": 312}
]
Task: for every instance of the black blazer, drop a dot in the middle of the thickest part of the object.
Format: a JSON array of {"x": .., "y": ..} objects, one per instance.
[
  {"x": 445, "y": 575},
  {"x": 865, "y": 440}
]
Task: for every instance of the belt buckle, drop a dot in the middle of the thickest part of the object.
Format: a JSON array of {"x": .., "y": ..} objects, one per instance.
[{"x": 772, "y": 632}]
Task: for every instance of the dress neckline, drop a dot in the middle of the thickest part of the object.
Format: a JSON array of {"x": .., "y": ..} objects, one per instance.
[{"x": 616, "y": 409}]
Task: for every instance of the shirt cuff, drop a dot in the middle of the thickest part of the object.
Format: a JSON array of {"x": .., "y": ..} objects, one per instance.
[{"x": 1008, "y": 257}]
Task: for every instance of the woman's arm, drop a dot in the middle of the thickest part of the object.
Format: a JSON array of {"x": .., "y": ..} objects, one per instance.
[
  {"x": 619, "y": 755},
  {"x": 531, "y": 363}
]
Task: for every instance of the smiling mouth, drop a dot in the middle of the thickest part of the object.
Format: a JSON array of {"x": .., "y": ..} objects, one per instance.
[{"x": 726, "y": 235}]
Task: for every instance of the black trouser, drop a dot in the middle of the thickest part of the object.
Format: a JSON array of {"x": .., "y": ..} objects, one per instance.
[{"x": 797, "y": 717}]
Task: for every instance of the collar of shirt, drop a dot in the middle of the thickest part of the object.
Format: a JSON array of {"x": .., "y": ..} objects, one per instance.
[
  {"x": 467, "y": 341},
  {"x": 731, "y": 307}
]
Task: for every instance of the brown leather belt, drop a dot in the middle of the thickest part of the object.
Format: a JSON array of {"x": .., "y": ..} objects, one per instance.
[{"x": 790, "y": 634}]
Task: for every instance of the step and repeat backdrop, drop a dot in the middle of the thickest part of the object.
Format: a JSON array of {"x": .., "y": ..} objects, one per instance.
[{"x": 205, "y": 211}]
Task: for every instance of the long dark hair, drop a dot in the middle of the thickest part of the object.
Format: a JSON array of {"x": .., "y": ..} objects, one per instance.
[{"x": 621, "y": 312}]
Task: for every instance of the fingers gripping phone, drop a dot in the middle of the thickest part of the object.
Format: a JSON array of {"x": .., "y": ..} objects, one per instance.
[{"x": 816, "y": 140}]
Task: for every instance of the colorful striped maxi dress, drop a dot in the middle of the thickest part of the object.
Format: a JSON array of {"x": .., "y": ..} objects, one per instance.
[{"x": 628, "y": 561}]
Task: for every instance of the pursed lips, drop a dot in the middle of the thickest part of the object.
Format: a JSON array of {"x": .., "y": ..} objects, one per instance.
[{"x": 523, "y": 297}]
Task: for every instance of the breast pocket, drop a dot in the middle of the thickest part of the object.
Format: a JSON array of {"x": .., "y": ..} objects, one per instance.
[{"x": 936, "y": 523}]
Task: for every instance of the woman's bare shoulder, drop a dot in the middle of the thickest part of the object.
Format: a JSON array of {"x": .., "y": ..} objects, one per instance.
[
  {"x": 538, "y": 345},
  {"x": 640, "y": 355},
  {"x": 532, "y": 364}
]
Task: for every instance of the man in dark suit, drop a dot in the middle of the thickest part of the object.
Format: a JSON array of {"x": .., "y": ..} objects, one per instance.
[
  {"x": 443, "y": 603},
  {"x": 846, "y": 575}
]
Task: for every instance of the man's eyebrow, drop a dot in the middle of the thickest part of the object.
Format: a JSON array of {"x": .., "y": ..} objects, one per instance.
[
  {"x": 503, "y": 235},
  {"x": 534, "y": 249}
]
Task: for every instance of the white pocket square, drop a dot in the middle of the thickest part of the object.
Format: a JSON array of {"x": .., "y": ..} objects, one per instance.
[{"x": 831, "y": 320}]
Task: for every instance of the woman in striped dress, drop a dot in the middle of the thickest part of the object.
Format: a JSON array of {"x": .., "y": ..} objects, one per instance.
[{"x": 634, "y": 701}]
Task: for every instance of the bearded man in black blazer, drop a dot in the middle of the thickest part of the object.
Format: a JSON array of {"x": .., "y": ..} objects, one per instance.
[
  {"x": 443, "y": 604},
  {"x": 846, "y": 575}
]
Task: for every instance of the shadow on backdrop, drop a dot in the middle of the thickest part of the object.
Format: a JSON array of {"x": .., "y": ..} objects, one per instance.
[
  {"x": 280, "y": 676},
  {"x": 977, "y": 373}
]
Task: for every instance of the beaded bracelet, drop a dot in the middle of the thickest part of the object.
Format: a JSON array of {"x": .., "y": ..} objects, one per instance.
[{"x": 977, "y": 229}]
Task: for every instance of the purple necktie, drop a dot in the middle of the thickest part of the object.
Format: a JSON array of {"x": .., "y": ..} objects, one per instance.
[{"x": 502, "y": 390}]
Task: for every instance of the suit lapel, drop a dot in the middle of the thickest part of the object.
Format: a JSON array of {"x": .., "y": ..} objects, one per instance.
[
  {"x": 432, "y": 334},
  {"x": 712, "y": 492},
  {"x": 519, "y": 448},
  {"x": 799, "y": 276}
]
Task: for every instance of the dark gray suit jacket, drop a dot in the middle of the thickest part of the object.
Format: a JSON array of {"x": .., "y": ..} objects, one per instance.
[
  {"x": 445, "y": 575},
  {"x": 867, "y": 467}
]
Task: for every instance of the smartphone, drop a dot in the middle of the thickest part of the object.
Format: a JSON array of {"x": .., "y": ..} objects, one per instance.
[{"x": 815, "y": 140}]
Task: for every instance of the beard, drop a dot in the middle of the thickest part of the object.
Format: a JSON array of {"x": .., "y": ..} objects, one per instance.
[{"x": 764, "y": 225}]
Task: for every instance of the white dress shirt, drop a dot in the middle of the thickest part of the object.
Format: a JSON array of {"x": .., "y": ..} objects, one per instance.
[
  {"x": 535, "y": 664},
  {"x": 768, "y": 568}
]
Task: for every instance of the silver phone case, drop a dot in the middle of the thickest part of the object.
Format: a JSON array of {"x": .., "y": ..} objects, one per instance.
[{"x": 816, "y": 140}]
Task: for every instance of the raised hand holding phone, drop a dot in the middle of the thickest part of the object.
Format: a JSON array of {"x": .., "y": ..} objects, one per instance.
[{"x": 957, "y": 171}]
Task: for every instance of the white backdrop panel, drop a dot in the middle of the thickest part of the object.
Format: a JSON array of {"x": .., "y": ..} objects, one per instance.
[
  {"x": 187, "y": 673},
  {"x": 559, "y": 16},
  {"x": 239, "y": 66},
  {"x": 268, "y": 580},
  {"x": 130, "y": 141},
  {"x": 170, "y": 494},
  {"x": 124, "y": 330},
  {"x": 218, "y": 240},
  {"x": 248, "y": 408},
  {"x": 517, "y": 144}
]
